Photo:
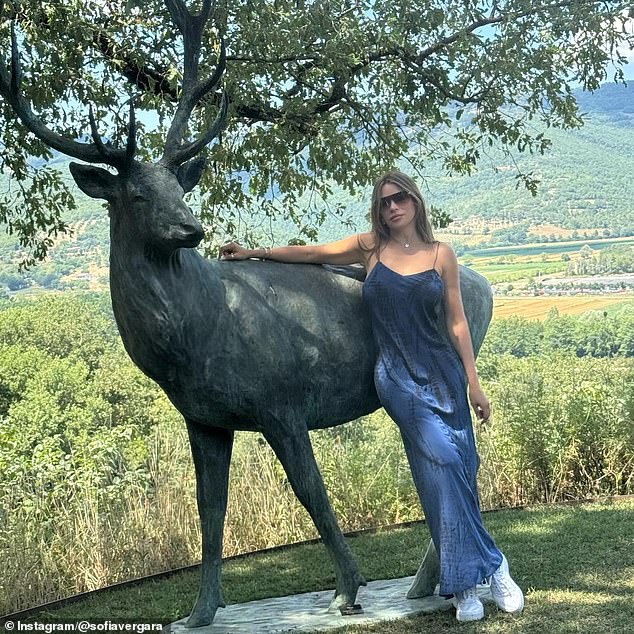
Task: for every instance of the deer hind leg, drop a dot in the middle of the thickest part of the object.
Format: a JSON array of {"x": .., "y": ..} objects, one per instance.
[
  {"x": 428, "y": 575},
  {"x": 211, "y": 451},
  {"x": 293, "y": 448}
]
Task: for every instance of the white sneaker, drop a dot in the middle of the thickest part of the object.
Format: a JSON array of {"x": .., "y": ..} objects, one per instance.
[
  {"x": 505, "y": 592},
  {"x": 468, "y": 605}
]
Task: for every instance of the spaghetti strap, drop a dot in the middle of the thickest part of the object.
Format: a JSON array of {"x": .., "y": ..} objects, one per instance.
[{"x": 437, "y": 245}]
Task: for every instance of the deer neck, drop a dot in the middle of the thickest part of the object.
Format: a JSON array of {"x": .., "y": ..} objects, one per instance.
[{"x": 155, "y": 301}]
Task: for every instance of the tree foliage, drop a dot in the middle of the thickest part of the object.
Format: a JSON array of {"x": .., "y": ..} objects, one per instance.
[
  {"x": 320, "y": 92},
  {"x": 595, "y": 334},
  {"x": 72, "y": 405}
]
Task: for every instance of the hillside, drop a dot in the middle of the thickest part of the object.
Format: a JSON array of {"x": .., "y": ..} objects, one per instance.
[
  {"x": 586, "y": 178},
  {"x": 586, "y": 191},
  {"x": 585, "y": 181}
]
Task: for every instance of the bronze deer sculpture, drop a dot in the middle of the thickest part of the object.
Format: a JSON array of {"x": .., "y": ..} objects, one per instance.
[{"x": 268, "y": 347}]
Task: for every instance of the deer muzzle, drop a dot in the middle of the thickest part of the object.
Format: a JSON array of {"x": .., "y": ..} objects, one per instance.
[{"x": 187, "y": 235}]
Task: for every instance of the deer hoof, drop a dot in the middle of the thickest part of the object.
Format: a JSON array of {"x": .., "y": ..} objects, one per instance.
[
  {"x": 203, "y": 614},
  {"x": 347, "y": 596}
]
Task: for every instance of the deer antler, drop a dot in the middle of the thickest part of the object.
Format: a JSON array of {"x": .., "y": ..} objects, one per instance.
[
  {"x": 193, "y": 90},
  {"x": 10, "y": 83},
  {"x": 112, "y": 156}
]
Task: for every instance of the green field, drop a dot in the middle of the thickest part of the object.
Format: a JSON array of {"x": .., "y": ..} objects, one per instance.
[
  {"x": 496, "y": 273},
  {"x": 521, "y": 263},
  {"x": 550, "y": 248}
]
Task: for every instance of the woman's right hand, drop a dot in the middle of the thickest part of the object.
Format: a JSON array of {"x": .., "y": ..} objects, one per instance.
[{"x": 233, "y": 251}]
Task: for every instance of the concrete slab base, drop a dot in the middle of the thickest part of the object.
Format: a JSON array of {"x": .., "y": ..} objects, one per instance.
[{"x": 381, "y": 600}]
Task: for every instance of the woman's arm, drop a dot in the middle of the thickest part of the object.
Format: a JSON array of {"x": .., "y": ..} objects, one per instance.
[
  {"x": 346, "y": 251},
  {"x": 458, "y": 329}
]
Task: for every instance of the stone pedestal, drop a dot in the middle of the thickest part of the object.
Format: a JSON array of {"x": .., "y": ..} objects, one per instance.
[{"x": 381, "y": 600}]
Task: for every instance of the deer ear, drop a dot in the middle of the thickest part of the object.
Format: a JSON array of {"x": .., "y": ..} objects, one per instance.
[
  {"x": 189, "y": 173},
  {"x": 94, "y": 181}
]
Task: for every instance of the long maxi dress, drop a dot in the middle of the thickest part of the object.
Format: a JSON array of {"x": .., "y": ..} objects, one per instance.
[{"x": 421, "y": 383}]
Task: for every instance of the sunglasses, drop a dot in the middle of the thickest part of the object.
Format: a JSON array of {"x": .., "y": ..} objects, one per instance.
[{"x": 399, "y": 197}]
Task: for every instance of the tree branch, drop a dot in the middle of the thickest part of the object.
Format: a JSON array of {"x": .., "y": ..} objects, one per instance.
[
  {"x": 154, "y": 80},
  {"x": 149, "y": 80},
  {"x": 476, "y": 24}
]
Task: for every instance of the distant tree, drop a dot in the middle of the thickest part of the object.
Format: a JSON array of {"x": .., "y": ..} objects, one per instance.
[
  {"x": 510, "y": 235},
  {"x": 593, "y": 334},
  {"x": 12, "y": 280},
  {"x": 45, "y": 276},
  {"x": 62, "y": 327},
  {"x": 597, "y": 336},
  {"x": 626, "y": 335},
  {"x": 585, "y": 252},
  {"x": 515, "y": 335},
  {"x": 320, "y": 92},
  {"x": 560, "y": 333}
]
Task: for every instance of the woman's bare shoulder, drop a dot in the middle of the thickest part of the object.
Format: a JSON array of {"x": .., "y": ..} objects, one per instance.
[
  {"x": 366, "y": 240},
  {"x": 446, "y": 260},
  {"x": 445, "y": 250}
]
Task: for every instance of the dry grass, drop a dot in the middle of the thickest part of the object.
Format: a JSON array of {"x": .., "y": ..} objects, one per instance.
[
  {"x": 470, "y": 239},
  {"x": 538, "y": 307},
  {"x": 86, "y": 544},
  {"x": 560, "y": 232}
]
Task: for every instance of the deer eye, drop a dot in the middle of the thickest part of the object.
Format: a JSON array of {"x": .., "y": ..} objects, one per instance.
[{"x": 139, "y": 198}]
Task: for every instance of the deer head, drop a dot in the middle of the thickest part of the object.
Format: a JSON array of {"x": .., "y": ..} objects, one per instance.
[
  {"x": 146, "y": 202},
  {"x": 145, "y": 199}
]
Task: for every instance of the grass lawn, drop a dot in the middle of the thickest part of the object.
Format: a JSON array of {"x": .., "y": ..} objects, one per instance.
[{"x": 575, "y": 563}]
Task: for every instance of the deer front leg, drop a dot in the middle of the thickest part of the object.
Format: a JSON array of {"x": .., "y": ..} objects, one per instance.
[
  {"x": 211, "y": 451},
  {"x": 293, "y": 448},
  {"x": 428, "y": 575}
]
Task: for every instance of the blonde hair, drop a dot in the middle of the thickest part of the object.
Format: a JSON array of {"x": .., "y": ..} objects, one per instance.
[{"x": 381, "y": 231}]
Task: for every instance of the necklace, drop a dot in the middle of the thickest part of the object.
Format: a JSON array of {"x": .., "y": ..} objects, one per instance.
[{"x": 406, "y": 245}]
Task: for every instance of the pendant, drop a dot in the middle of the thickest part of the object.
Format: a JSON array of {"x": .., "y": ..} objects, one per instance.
[{"x": 406, "y": 245}]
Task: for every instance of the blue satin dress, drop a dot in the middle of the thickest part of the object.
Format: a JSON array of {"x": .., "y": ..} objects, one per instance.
[{"x": 421, "y": 383}]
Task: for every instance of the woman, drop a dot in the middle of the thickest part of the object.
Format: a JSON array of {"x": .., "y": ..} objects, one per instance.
[{"x": 421, "y": 378}]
